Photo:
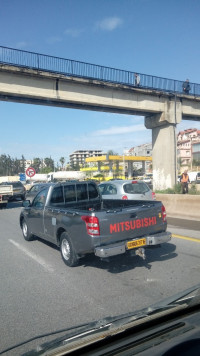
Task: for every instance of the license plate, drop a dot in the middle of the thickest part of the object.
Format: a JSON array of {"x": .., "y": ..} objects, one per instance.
[{"x": 136, "y": 243}]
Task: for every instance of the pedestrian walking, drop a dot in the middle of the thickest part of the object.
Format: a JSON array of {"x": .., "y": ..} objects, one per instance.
[
  {"x": 186, "y": 86},
  {"x": 137, "y": 79},
  {"x": 184, "y": 179}
]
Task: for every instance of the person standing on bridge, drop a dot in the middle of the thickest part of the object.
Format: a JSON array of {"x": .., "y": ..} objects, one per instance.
[
  {"x": 137, "y": 79},
  {"x": 184, "y": 179},
  {"x": 186, "y": 86}
]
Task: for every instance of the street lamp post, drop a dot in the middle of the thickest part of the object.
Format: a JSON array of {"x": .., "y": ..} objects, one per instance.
[{"x": 124, "y": 152}]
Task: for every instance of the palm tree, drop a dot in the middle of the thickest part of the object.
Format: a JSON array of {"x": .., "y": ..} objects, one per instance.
[{"x": 62, "y": 161}]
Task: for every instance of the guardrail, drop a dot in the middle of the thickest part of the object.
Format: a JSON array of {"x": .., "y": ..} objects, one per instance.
[{"x": 68, "y": 67}]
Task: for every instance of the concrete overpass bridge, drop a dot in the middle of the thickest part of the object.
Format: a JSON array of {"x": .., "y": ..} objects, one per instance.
[{"x": 34, "y": 78}]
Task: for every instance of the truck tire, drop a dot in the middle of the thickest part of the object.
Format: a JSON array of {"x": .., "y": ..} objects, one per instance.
[
  {"x": 27, "y": 235},
  {"x": 68, "y": 254}
]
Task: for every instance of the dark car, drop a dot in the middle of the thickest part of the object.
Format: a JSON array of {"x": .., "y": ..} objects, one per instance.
[
  {"x": 32, "y": 192},
  {"x": 19, "y": 191}
]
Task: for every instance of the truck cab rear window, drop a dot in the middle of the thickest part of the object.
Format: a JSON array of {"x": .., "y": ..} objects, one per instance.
[
  {"x": 93, "y": 192},
  {"x": 57, "y": 195},
  {"x": 82, "y": 193},
  {"x": 70, "y": 193}
]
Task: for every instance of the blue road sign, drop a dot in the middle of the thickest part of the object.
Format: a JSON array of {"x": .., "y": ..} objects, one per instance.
[{"x": 22, "y": 176}]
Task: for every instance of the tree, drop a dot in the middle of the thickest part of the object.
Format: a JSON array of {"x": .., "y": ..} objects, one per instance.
[
  {"x": 112, "y": 153},
  {"x": 62, "y": 161},
  {"x": 76, "y": 167},
  {"x": 37, "y": 164},
  {"x": 22, "y": 164},
  {"x": 49, "y": 162},
  {"x": 45, "y": 170},
  {"x": 15, "y": 166},
  {"x": 196, "y": 162}
]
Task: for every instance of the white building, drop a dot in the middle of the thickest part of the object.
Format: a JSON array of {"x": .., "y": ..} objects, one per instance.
[
  {"x": 78, "y": 157},
  {"x": 185, "y": 141},
  {"x": 28, "y": 163},
  {"x": 141, "y": 150}
]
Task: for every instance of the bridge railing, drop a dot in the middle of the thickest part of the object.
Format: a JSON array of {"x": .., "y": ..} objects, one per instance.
[{"x": 68, "y": 67}]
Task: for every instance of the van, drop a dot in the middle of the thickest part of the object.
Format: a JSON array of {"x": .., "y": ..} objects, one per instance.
[
  {"x": 198, "y": 177},
  {"x": 192, "y": 177}
]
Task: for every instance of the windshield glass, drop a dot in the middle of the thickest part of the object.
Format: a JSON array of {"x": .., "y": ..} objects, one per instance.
[
  {"x": 136, "y": 188},
  {"x": 100, "y": 139}
]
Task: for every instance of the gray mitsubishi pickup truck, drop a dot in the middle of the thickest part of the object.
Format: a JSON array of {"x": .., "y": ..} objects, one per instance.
[{"x": 73, "y": 216}]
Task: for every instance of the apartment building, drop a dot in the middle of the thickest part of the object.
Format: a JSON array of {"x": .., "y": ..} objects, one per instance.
[
  {"x": 187, "y": 145},
  {"x": 141, "y": 150},
  {"x": 78, "y": 157}
]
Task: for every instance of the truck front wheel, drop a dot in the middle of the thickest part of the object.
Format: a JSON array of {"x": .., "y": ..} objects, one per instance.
[
  {"x": 27, "y": 235},
  {"x": 67, "y": 252}
]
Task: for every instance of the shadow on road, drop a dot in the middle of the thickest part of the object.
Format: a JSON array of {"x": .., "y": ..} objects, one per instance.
[{"x": 126, "y": 262}]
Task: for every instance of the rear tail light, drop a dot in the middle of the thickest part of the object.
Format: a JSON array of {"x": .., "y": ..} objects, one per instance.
[
  {"x": 164, "y": 214},
  {"x": 92, "y": 225},
  {"x": 153, "y": 196},
  {"x": 134, "y": 181},
  {"x": 124, "y": 197}
]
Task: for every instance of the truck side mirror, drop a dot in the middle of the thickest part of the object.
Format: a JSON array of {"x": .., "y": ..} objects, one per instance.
[{"x": 26, "y": 203}]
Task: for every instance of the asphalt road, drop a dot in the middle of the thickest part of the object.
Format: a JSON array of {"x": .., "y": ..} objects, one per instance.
[{"x": 39, "y": 294}]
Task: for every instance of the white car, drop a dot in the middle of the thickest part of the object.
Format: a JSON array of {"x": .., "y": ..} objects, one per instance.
[{"x": 126, "y": 190}]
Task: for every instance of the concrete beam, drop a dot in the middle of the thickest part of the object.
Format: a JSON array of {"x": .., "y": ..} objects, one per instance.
[
  {"x": 37, "y": 87},
  {"x": 172, "y": 114}
]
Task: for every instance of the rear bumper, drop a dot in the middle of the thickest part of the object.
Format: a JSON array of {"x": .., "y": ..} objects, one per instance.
[{"x": 119, "y": 248}]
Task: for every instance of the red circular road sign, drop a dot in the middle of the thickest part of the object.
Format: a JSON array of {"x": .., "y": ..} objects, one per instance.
[{"x": 30, "y": 172}]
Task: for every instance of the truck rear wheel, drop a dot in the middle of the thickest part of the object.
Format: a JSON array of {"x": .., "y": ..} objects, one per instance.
[
  {"x": 27, "y": 235},
  {"x": 68, "y": 254}
]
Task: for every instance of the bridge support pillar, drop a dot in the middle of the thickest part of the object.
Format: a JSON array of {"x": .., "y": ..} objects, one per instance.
[
  {"x": 163, "y": 154},
  {"x": 130, "y": 170},
  {"x": 143, "y": 167},
  {"x": 110, "y": 174},
  {"x": 99, "y": 167}
]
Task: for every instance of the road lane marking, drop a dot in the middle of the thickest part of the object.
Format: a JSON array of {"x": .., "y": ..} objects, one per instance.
[
  {"x": 195, "y": 239},
  {"x": 33, "y": 256}
]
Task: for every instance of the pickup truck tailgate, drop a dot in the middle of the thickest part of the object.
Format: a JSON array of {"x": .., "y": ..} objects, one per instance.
[
  {"x": 6, "y": 190},
  {"x": 131, "y": 222}
]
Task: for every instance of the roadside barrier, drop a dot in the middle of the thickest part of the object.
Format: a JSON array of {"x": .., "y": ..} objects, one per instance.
[{"x": 183, "y": 206}]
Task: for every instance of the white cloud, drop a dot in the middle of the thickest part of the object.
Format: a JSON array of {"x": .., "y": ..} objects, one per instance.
[
  {"x": 109, "y": 23},
  {"x": 73, "y": 32}
]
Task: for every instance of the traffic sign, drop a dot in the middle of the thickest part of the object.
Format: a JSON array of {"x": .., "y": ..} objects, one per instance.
[
  {"x": 30, "y": 172},
  {"x": 22, "y": 177}
]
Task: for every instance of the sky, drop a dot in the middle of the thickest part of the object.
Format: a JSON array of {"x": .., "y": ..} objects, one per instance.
[{"x": 156, "y": 37}]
